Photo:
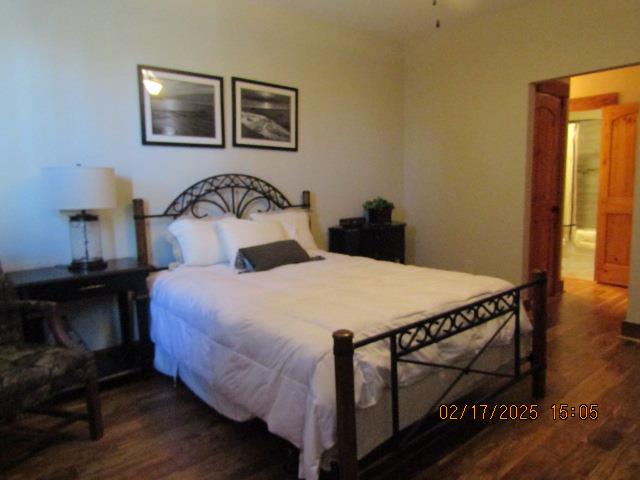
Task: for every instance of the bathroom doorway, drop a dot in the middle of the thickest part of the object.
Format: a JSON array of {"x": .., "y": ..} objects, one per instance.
[
  {"x": 580, "y": 205},
  {"x": 598, "y": 176}
]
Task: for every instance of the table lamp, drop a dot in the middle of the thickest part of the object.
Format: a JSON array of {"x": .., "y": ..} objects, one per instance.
[{"x": 81, "y": 189}]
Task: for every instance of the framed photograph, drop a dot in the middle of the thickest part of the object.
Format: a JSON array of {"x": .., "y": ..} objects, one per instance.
[
  {"x": 180, "y": 108},
  {"x": 264, "y": 115}
]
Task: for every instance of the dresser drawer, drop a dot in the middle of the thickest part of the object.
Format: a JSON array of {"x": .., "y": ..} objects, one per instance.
[
  {"x": 381, "y": 242},
  {"x": 76, "y": 289}
]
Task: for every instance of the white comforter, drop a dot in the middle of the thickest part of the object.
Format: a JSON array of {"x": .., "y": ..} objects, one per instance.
[{"x": 275, "y": 331}]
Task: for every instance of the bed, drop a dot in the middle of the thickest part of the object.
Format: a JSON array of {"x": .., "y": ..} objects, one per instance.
[{"x": 341, "y": 357}]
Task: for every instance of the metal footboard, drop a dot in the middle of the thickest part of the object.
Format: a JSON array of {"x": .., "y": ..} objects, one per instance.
[{"x": 503, "y": 307}]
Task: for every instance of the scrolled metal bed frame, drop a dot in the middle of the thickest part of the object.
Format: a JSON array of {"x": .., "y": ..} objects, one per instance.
[
  {"x": 238, "y": 193},
  {"x": 503, "y": 307},
  {"x": 233, "y": 193}
]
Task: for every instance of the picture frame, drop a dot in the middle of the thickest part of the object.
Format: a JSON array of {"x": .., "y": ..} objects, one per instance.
[
  {"x": 179, "y": 108},
  {"x": 265, "y": 115}
]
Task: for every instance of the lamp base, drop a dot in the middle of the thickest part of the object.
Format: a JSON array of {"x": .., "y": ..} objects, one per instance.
[
  {"x": 78, "y": 266},
  {"x": 86, "y": 251}
]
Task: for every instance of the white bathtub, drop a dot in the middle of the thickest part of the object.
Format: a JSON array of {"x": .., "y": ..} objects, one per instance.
[{"x": 585, "y": 238}]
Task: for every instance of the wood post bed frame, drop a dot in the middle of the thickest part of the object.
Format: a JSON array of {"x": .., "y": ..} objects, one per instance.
[{"x": 237, "y": 193}]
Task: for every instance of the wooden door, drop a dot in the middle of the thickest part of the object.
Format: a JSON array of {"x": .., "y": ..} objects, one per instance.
[
  {"x": 549, "y": 151},
  {"x": 615, "y": 196}
]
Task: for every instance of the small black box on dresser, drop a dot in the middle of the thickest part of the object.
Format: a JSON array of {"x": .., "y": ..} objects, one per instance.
[{"x": 383, "y": 241}]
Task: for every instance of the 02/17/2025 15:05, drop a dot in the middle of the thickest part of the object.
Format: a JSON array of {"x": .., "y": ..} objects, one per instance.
[{"x": 525, "y": 411}]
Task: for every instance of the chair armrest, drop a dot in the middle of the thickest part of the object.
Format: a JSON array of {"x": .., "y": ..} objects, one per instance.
[
  {"x": 59, "y": 332},
  {"x": 50, "y": 311}
]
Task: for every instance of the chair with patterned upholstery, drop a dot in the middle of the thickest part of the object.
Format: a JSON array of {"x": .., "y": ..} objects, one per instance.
[{"x": 31, "y": 374}]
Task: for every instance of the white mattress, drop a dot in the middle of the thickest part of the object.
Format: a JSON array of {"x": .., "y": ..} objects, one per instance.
[{"x": 260, "y": 344}]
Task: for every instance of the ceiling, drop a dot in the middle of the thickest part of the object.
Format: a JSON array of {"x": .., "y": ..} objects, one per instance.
[{"x": 399, "y": 19}]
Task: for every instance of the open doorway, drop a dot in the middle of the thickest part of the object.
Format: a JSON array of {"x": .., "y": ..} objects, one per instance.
[
  {"x": 599, "y": 173},
  {"x": 581, "y": 179},
  {"x": 584, "y": 147}
]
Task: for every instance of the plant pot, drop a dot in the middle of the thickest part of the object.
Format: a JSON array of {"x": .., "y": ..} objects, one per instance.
[{"x": 379, "y": 215}]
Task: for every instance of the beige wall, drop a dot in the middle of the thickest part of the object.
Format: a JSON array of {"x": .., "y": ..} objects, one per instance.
[
  {"x": 467, "y": 93},
  {"x": 624, "y": 81},
  {"x": 69, "y": 94}
]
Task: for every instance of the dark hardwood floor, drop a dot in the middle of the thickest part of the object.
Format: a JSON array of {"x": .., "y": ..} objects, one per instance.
[
  {"x": 588, "y": 363},
  {"x": 154, "y": 430}
]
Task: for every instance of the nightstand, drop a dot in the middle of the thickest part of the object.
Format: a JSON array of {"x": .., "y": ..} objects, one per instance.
[
  {"x": 126, "y": 279},
  {"x": 383, "y": 241}
]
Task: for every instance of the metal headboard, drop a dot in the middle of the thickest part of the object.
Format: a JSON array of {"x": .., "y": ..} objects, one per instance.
[{"x": 229, "y": 193}]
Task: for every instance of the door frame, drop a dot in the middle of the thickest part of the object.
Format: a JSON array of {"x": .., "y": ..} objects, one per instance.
[
  {"x": 629, "y": 330},
  {"x": 593, "y": 102}
]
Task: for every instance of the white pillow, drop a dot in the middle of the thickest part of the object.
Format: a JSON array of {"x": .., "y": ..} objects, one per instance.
[
  {"x": 198, "y": 241},
  {"x": 235, "y": 234},
  {"x": 296, "y": 222},
  {"x": 175, "y": 246}
]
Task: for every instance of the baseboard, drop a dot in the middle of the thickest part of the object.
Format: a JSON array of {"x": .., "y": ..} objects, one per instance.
[{"x": 630, "y": 330}]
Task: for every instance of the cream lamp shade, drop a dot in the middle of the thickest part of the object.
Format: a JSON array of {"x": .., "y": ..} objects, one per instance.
[{"x": 80, "y": 188}]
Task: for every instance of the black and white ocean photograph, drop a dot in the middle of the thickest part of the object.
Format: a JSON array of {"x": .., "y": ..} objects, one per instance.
[
  {"x": 180, "y": 108},
  {"x": 265, "y": 115}
]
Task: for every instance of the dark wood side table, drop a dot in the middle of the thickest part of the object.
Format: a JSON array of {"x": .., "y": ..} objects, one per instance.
[
  {"x": 125, "y": 278},
  {"x": 379, "y": 241}
]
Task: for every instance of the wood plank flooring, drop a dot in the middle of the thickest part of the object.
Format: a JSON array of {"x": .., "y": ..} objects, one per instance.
[
  {"x": 156, "y": 431},
  {"x": 588, "y": 363}
]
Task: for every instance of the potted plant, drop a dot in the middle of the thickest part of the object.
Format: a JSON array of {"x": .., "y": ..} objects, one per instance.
[{"x": 378, "y": 210}]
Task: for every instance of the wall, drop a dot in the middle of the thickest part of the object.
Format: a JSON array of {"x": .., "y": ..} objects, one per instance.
[
  {"x": 467, "y": 126},
  {"x": 69, "y": 95},
  {"x": 624, "y": 81}
]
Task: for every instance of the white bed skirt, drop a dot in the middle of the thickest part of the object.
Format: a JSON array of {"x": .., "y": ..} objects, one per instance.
[
  {"x": 165, "y": 363},
  {"x": 374, "y": 423}
]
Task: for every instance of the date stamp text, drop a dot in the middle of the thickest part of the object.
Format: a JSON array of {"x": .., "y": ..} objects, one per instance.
[{"x": 516, "y": 412}]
